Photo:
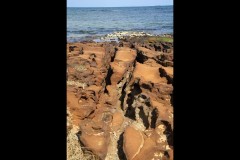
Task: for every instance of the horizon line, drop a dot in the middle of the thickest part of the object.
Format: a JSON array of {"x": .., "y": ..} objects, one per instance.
[{"x": 121, "y": 6}]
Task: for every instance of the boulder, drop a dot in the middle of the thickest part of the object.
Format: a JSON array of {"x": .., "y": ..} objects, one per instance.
[{"x": 133, "y": 141}]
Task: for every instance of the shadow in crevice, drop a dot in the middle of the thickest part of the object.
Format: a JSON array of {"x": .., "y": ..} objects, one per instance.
[
  {"x": 78, "y": 134},
  {"x": 168, "y": 132},
  {"x": 130, "y": 113},
  {"x": 121, "y": 153},
  {"x": 135, "y": 91},
  {"x": 166, "y": 154},
  {"x": 147, "y": 86},
  {"x": 143, "y": 117},
  {"x": 106, "y": 91},
  {"x": 163, "y": 73},
  {"x": 154, "y": 118},
  {"x": 141, "y": 58},
  {"x": 108, "y": 79},
  {"x": 114, "y": 54},
  {"x": 123, "y": 96}
]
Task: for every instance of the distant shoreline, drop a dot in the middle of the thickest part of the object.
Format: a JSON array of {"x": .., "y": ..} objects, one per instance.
[{"x": 125, "y": 6}]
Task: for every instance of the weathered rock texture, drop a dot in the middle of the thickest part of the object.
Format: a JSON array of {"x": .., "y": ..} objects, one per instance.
[{"x": 120, "y": 98}]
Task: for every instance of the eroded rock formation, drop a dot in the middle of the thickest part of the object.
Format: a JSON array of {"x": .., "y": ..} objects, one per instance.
[{"x": 119, "y": 97}]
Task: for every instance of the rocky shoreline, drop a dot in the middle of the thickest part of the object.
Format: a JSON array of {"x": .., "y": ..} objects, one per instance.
[
  {"x": 120, "y": 35},
  {"x": 116, "y": 36},
  {"x": 119, "y": 98}
]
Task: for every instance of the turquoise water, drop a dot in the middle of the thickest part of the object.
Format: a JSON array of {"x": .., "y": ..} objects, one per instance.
[{"x": 87, "y": 23}]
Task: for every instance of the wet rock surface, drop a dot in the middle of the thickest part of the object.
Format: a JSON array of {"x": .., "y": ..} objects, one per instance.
[{"x": 119, "y": 97}]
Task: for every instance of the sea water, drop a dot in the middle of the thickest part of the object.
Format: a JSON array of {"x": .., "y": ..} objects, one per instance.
[{"x": 89, "y": 23}]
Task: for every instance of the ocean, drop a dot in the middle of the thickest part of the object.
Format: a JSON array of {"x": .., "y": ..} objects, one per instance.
[{"x": 90, "y": 23}]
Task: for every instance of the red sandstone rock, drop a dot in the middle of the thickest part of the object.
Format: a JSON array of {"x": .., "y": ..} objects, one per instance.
[
  {"x": 126, "y": 88},
  {"x": 98, "y": 144},
  {"x": 133, "y": 142},
  {"x": 117, "y": 121}
]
